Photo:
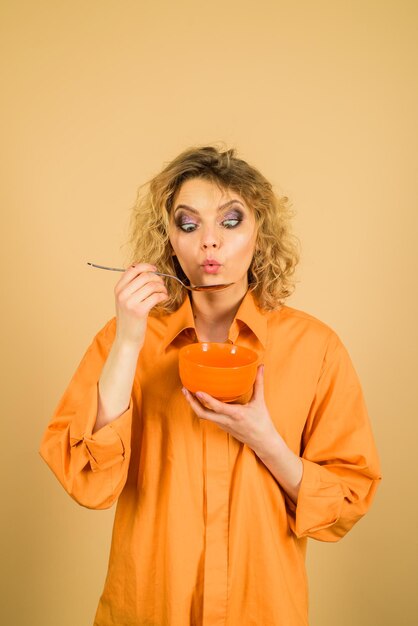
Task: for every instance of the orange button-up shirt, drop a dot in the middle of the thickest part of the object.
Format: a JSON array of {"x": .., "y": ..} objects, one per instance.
[{"x": 203, "y": 533}]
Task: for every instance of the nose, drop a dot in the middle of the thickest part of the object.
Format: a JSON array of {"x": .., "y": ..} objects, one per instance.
[{"x": 210, "y": 239}]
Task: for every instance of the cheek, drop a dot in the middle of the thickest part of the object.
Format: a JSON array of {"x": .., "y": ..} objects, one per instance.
[
  {"x": 245, "y": 244},
  {"x": 174, "y": 240},
  {"x": 180, "y": 247}
]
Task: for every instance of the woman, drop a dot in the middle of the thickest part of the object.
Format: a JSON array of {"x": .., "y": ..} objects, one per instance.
[{"x": 215, "y": 501}]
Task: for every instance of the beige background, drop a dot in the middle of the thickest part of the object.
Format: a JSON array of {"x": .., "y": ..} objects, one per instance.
[{"x": 97, "y": 97}]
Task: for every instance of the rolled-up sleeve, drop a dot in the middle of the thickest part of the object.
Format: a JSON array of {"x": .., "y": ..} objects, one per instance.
[
  {"x": 92, "y": 467},
  {"x": 341, "y": 468}
]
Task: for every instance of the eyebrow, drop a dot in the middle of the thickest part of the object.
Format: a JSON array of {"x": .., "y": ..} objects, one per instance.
[{"x": 192, "y": 210}]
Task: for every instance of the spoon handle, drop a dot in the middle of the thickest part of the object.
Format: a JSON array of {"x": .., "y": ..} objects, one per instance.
[
  {"x": 103, "y": 267},
  {"x": 189, "y": 288},
  {"x": 118, "y": 269}
]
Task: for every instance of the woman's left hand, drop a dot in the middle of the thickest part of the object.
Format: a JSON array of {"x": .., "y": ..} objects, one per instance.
[{"x": 249, "y": 423}]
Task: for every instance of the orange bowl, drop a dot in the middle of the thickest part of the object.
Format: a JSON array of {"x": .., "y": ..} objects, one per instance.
[{"x": 223, "y": 370}]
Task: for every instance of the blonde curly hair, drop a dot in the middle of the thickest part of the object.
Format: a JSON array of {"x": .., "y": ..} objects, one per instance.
[{"x": 270, "y": 276}]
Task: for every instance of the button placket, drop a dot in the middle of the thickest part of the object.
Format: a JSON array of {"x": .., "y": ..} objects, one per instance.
[{"x": 215, "y": 589}]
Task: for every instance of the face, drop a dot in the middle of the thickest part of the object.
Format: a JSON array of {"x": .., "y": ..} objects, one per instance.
[{"x": 213, "y": 233}]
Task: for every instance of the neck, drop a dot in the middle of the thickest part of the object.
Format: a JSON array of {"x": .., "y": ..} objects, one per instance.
[{"x": 214, "y": 312}]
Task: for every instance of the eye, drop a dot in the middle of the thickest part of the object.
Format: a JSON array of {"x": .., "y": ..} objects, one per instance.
[
  {"x": 232, "y": 219},
  {"x": 185, "y": 223},
  {"x": 187, "y": 227},
  {"x": 231, "y": 223}
]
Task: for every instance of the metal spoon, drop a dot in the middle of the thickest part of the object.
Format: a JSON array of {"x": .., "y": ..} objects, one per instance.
[{"x": 189, "y": 287}]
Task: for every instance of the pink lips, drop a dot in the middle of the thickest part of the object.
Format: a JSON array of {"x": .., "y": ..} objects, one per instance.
[{"x": 211, "y": 266}]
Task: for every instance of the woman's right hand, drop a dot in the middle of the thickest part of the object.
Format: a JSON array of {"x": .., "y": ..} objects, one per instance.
[{"x": 136, "y": 293}]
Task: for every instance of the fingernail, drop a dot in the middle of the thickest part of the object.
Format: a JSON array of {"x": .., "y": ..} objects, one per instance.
[{"x": 199, "y": 394}]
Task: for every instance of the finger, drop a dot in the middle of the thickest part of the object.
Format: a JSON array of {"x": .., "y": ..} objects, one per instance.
[
  {"x": 154, "y": 299},
  {"x": 131, "y": 272},
  {"x": 258, "y": 393},
  {"x": 137, "y": 283},
  {"x": 143, "y": 292},
  {"x": 201, "y": 411},
  {"x": 144, "y": 288},
  {"x": 215, "y": 405},
  {"x": 140, "y": 279}
]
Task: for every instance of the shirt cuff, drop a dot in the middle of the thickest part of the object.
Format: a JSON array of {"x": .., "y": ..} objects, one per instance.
[
  {"x": 107, "y": 446},
  {"x": 320, "y": 501}
]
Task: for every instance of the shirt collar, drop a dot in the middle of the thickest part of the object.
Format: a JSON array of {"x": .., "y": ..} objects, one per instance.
[
  {"x": 248, "y": 313},
  {"x": 252, "y": 316},
  {"x": 178, "y": 321}
]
